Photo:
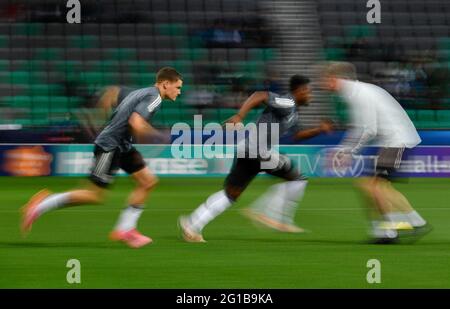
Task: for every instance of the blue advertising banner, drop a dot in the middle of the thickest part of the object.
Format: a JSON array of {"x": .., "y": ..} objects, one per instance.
[{"x": 313, "y": 161}]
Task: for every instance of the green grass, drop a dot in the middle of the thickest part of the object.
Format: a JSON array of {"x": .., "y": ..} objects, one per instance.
[{"x": 237, "y": 255}]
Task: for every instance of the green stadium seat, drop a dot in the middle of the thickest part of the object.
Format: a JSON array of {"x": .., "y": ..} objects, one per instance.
[
  {"x": 4, "y": 65},
  {"x": 23, "y": 77},
  {"x": 334, "y": 53},
  {"x": 145, "y": 79},
  {"x": 426, "y": 115},
  {"x": 225, "y": 113},
  {"x": 187, "y": 115},
  {"x": 41, "y": 102},
  {"x": 100, "y": 78},
  {"x": 29, "y": 29},
  {"x": 121, "y": 54},
  {"x": 44, "y": 89},
  {"x": 269, "y": 54},
  {"x": 20, "y": 77},
  {"x": 412, "y": 114},
  {"x": 195, "y": 54},
  {"x": 427, "y": 124},
  {"x": 144, "y": 66},
  {"x": 38, "y": 113},
  {"x": 181, "y": 41},
  {"x": 4, "y": 41},
  {"x": 32, "y": 65},
  {"x": 105, "y": 66},
  {"x": 171, "y": 29},
  {"x": 137, "y": 66},
  {"x": 49, "y": 54},
  {"x": 252, "y": 116},
  {"x": 83, "y": 41},
  {"x": 69, "y": 65},
  {"x": 18, "y": 101},
  {"x": 23, "y": 121},
  {"x": 444, "y": 43},
  {"x": 194, "y": 42},
  {"x": 443, "y": 116},
  {"x": 356, "y": 31}
]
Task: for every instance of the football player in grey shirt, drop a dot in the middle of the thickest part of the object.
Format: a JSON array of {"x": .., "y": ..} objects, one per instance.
[
  {"x": 113, "y": 150},
  {"x": 281, "y": 199}
]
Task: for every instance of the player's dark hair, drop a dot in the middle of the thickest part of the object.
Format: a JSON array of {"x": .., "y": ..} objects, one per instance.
[
  {"x": 167, "y": 73},
  {"x": 297, "y": 81}
]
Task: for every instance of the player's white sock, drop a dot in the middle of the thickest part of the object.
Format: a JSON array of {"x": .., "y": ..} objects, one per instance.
[
  {"x": 415, "y": 219},
  {"x": 282, "y": 201},
  {"x": 52, "y": 202},
  {"x": 272, "y": 202},
  {"x": 206, "y": 212},
  {"x": 129, "y": 217},
  {"x": 396, "y": 217},
  {"x": 295, "y": 189}
]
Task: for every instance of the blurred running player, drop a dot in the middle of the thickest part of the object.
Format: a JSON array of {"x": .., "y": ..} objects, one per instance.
[
  {"x": 377, "y": 117},
  {"x": 280, "y": 202},
  {"x": 93, "y": 115},
  {"x": 132, "y": 112}
]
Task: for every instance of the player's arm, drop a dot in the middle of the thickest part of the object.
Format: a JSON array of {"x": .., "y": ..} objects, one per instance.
[
  {"x": 141, "y": 129},
  {"x": 364, "y": 127},
  {"x": 255, "y": 100},
  {"x": 108, "y": 100},
  {"x": 326, "y": 126}
]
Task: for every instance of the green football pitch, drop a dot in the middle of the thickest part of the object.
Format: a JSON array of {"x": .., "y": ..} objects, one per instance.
[{"x": 237, "y": 255}]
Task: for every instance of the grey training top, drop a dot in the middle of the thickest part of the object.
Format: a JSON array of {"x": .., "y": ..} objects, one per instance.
[
  {"x": 116, "y": 134},
  {"x": 281, "y": 111}
]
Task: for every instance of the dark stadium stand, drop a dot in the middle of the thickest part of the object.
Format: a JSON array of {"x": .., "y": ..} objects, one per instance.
[
  {"x": 408, "y": 53},
  {"x": 42, "y": 56},
  {"x": 50, "y": 69}
]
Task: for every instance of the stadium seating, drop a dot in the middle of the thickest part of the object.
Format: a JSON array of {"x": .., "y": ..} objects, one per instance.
[
  {"x": 49, "y": 65},
  {"x": 55, "y": 64},
  {"x": 409, "y": 30}
]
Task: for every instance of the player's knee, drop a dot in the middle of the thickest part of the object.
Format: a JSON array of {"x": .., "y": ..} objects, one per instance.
[
  {"x": 149, "y": 183},
  {"x": 98, "y": 198},
  {"x": 233, "y": 193},
  {"x": 364, "y": 184},
  {"x": 94, "y": 195}
]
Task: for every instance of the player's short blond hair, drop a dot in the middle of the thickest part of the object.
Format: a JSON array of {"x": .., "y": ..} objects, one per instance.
[
  {"x": 344, "y": 70},
  {"x": 167, "y": 73}
]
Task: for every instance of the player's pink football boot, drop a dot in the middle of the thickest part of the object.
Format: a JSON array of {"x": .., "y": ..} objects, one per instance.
[
  {"x": 29, "y": 213},
  {"x": 132, "y": 238}
]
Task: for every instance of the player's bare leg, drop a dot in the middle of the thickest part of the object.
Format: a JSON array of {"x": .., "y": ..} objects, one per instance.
[
  {"x": 386, "y": 217},
  {"x": 402, "y": 207},
  {"x": 403, "y": 211},
  {"x": 378, "y": 206},
  {"x": 44, "y": 201},
  {"x": 125, "y": 229}
]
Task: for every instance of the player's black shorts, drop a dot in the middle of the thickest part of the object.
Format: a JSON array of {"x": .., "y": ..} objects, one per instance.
[
  {"x": 107, "y": 163},
  {"x": 389, "y": 160},
  {"x": 245, "y": 169}
]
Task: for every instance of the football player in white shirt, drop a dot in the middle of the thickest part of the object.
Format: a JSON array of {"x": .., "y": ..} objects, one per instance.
[{"x": 377, "y": 118}]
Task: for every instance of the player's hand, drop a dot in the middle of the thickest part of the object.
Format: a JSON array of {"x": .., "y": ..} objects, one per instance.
[
  {"x": 233, "y": 120},
  {"x": 344, "y": 157},
  {"x": 327, "y": 126}
]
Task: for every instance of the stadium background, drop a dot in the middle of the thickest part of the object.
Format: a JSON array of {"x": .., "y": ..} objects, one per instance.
[{"x": 51, "y": 72}]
